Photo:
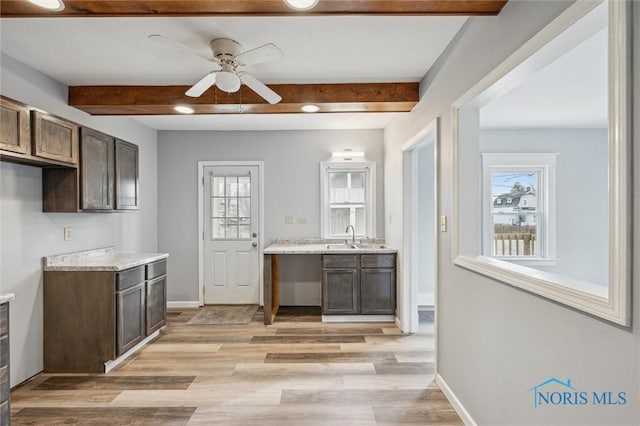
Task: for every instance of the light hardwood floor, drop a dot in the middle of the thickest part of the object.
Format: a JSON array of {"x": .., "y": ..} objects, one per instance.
[{"x": 298, "y": 371}]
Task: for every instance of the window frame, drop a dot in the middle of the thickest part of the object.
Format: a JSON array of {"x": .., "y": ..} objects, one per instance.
[
  {"x": 546, "y": 232},
  {"x": 611, "y": 303},
  {"x": 367, "y": 167}
]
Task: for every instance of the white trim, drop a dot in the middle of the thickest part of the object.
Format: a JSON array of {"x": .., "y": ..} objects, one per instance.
[
  {"x": 358, "y": 318},
  {"x": 201, "y": 166},
  {"x": 426, "y": 299},
  {"x": 184, "y": 304},
  {"x": 454, "y": 401},
  {"x": 370, "y": 202},
  {"x": 110, "y": 365},
  {"x": 408, "y": 306},
  {"x": 612, "y": 303}
]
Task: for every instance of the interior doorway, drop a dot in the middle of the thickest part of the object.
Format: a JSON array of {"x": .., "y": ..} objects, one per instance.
[{"x": 420, "y": 223}]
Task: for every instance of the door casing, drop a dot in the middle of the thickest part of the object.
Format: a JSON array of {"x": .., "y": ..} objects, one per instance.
[{"x": 200, "y": 236}]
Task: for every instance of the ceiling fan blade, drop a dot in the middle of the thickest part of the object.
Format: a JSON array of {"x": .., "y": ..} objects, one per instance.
[
  {"x": 261, "y": 54},
  {"x": 178, "y": 45},
  {"x": 203, "y": 85},
  {"x": 260, "y": 88}
]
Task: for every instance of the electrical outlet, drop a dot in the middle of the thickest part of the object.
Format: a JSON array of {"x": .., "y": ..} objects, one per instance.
[
  {"x": 288, "y": 220},
  {"x": 67, "y": 234}
]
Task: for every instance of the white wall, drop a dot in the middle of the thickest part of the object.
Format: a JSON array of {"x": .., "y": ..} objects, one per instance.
[
  {"x": 27, "y": 234},
  {"x": 582, "y": 181},
  {"x": 426, "y": 231},
  {"x": 292, "y": 188},
  {"x": 496, "y": 341}
]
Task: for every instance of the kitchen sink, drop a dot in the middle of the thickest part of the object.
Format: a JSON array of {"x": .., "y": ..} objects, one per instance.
[{"x": 351, "y": 246}]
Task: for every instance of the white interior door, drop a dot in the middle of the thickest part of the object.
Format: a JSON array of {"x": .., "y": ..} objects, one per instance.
[{"x": 231, "y": 229}]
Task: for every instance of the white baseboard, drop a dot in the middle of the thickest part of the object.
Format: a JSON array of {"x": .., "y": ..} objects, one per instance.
[
  {"x": 183, "y": 304},
  {"x": 357, "y": 318},
  {"x": 455, "y": 402},
  {"x": 426, "y": 299},
  {"x": 110, "y": 365}
]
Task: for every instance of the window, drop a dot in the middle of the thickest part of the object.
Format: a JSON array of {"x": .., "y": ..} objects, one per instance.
[
  {"x": 348, "y": 199},
  {"x": 231, "y": 207},
  {"x": 519, "y": 206}
]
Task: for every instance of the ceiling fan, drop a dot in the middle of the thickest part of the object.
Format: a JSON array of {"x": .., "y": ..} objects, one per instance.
[{"x": 229, "y": 58}]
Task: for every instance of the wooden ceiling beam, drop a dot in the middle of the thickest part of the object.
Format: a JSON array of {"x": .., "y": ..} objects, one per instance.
[
  {"x": 160, "y": 100},
  {"x": 155, "y": 8}
]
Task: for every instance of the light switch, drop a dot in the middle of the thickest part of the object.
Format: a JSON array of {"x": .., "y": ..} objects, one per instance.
[
  {"x": 302, "y": 220},
  {"x": 288, "y": 220},
  {"x": 443, "y": 224},
  {"x": 67, "y": 234}
]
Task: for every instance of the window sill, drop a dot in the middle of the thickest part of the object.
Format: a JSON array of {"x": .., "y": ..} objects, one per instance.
[{"x": 534, "y": 261}]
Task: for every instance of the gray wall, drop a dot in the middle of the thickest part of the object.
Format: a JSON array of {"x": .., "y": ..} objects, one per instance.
[
  {"x": 292, "y": 188},
  {"x": 426, "y": 231},
  {"x": 27, "y": 234},
  {"x": 496, "y": 341},
  {"x": 582, "y": 225}
]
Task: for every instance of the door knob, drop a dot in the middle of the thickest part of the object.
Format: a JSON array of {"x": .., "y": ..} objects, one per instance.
[{"x": 254, "y": 235}]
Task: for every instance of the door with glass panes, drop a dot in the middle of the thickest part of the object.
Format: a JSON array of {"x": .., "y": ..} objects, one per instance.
[{"x": 231, "y": 230}]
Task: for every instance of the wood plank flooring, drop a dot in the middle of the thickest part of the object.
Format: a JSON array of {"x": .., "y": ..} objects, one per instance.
[{"x": 298, "y": 371}]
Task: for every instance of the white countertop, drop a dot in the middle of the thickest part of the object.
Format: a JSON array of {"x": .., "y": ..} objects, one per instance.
[
  {"x": 6, "y": 297},
  {"x": 104, "y": 259},
  {"x": 327, "y": 248}
]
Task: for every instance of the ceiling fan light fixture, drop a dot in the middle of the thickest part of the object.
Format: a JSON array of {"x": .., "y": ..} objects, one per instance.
[
  {"x": 301, "y": 4},
  {"x": 183, "y": 109},
  {"x": 310, "y": 108},
  {"x": 228, "y": 81},
  {"x": 52, "y": 5}
]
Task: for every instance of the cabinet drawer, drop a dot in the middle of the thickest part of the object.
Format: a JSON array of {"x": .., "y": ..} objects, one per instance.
[
  {"x": 378, "y": 261},
  {"x": 156, "y": 269},
  {"x": 340, "y": 261},
  {"x": 129, "y": 278},
  {"x": 4, "y": 319}
]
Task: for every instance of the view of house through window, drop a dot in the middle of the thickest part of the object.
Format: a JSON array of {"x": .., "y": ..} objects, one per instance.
[
  {"x": 347, "y": 202},
  {"x": 347, "y": 199},
  {"x": 515, "y": 212}
]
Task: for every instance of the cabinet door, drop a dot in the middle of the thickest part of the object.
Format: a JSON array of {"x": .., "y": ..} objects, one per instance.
[
  {"x": 127, "y": 197},
  {"x": 156, "y": 303},
  {"x": 15, "y": 134},
  {"x": 378, "y": 292},
  {"x": 131, "y": 317},
  {"x": 340, "y": 293},
  {"x": 96, "y": 170},
  {"x": 54, "y": 138}
]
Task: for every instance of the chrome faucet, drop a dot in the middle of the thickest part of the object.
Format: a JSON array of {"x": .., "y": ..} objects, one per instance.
[{"x": 353, "y": 233}]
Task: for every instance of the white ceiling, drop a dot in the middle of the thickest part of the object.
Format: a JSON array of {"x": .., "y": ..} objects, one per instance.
[
  {"x": 570, "y": 92},
  {"x": 345, "y": 49}
]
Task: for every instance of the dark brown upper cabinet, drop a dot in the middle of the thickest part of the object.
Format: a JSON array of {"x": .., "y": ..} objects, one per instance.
[
  {"x": 127, "y": 193},
  {"x": 96, "y": 170},
  {"x": 15, "y": 131},
  {"x": 54, "y": 138}
]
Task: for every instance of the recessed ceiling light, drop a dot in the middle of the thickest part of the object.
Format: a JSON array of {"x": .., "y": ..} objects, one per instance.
[
  {"x": 53, "y": 5},
  {"x": 183, "y": 109},
  {"x": 301, "y": 4},
  {"x": 310, "y": 108}
]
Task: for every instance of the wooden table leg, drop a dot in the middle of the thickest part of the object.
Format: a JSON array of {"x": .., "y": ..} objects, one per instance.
[{"x": 271, "y": 287}]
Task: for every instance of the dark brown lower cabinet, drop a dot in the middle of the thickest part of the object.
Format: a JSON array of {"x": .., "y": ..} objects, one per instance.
[
  {"x": 340, "y": 291},
  {"x": 156, "y": 303},
  {"x": 91, "y": 317},
  {"x": 358, "y": 284},
  {"x": 131, "y": 309}
]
